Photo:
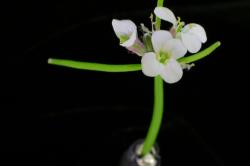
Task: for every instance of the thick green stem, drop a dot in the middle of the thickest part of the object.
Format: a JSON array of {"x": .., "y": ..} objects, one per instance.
[
  {"x": 158, "y": 105},
  {"x": 157, "y": 116},
  {"x": 95, "y": 66}
]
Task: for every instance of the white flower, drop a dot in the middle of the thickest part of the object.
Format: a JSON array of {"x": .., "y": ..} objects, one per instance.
[
  {"x": 126, "y": 31},
  {"x": 163, "y": 61},
  {"x": 192, "y": 35}
]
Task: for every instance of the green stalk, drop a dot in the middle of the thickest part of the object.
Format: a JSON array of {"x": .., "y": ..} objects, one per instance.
[
  {"x": 95, "y": 66},
  {"x": 158, "y": 105},
  {"x": 126, "y": 68},
  {"x": 158, "y": 20},
  {"x": 157, "y": 116}
]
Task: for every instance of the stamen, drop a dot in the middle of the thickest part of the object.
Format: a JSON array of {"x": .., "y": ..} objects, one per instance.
[
  {"x": 187, "y": 66},
  {"x": 152, "y": 22},
  {"x": 178, "y": 20},
  {"x": 180, "y": 24},
  {"x": 145, "y": 29}
]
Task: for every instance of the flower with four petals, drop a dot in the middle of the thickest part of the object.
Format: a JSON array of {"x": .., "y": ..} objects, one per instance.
[{"x": 163, "y": 61}]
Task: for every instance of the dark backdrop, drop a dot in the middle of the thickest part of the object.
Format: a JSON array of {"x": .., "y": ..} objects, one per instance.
[{"x": 51, "y": 113}]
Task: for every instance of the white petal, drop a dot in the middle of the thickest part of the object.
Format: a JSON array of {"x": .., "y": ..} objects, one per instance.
[
  {"x": 191, "y": 42},
  {"x": 159, "y": 39},
  {"x": 131, "y": 41},
  {"x": 197, "y": 30},
  {"x": 172, "y": 71},
  {"x": 125, "y": 28},
  {"x": 150, "y": 65},
  {"x": 175, "y": 47},
  {"x": 165, "y": 14}
]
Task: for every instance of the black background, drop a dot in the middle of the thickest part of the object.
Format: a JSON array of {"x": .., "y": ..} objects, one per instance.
[{"x": 64, "y": 116}]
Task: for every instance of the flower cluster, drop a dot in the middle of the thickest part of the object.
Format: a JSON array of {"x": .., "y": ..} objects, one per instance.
[{"x": 160, "y": 49}]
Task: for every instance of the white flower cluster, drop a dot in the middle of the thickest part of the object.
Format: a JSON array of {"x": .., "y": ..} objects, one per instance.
[{"x": 160, "y": 49}]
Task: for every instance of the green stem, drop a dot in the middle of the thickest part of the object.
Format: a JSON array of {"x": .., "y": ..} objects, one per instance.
[
  {"x": 158, "y": 104},
  {"x": 158, "y": 20},
  {"x": 159, "y": 99},
  {"x": 201, "y": 54},
  {"x": 157, "y": 116},
  {"x": 126, "y": 68},
  {"x": 95, "y": 66}
]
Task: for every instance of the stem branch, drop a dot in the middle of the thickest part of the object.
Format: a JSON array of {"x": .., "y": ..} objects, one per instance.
[{"x": 95, "y": 66}]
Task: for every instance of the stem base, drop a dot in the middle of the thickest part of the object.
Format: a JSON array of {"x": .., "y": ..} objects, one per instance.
[{"x": 132, "y": 158}]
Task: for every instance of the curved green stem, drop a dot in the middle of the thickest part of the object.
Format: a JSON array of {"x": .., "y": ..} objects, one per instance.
[
  {"x": 129, "y": 67},
  {"x": 200, "y": 55},
  {"x": 158, "y": 105},
  {"x": 157, "y": 116},
  {"x": 95, "y": 66},
  {"x": 158, "y": 83}
]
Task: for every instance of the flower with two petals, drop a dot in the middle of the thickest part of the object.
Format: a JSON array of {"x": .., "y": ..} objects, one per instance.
[{"x": 192, "y": 35}]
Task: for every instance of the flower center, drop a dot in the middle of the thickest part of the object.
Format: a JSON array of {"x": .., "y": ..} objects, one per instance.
[
  {"x": 123, "y": 38},
  {"x": 163, "y": 57}
]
